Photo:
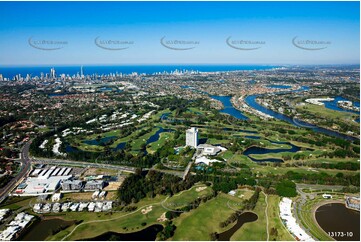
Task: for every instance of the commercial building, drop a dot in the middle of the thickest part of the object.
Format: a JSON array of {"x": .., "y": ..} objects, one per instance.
[
  {"x": 192, "y": 137},
  {"x": 38, "y": 185},
  {"x": 74, "y": 185},
  {"x": 94, "y": 185}
]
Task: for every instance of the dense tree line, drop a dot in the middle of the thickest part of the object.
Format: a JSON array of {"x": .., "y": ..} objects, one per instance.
[
  {"x": 352, "y": 166},
  {"x": 322, "y": 178},
  {"x": 167, "y": 232},
  {"x": 286, "y": 188},
  {"x": 142, "y": 184}
]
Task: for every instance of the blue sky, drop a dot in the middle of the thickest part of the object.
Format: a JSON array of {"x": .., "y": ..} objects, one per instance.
[{"x": 274, "y": 24}]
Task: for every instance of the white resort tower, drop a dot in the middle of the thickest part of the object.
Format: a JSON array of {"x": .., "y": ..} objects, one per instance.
[{"x": 192, "y": 137}]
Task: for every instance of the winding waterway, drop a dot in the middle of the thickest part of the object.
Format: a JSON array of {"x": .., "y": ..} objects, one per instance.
[
  {"x": 251, "y": 101},
  {"x": 228, "y": 107}
]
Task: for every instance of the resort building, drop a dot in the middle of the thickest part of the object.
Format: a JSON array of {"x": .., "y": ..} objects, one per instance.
[{"x": 192, "y": 137}]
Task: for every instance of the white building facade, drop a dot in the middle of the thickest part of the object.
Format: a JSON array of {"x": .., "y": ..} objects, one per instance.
[{"x": 192, "y": 137}]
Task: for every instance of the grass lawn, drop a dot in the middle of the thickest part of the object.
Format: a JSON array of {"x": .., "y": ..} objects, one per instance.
[
  {"x": 256, "y": 230},
  {"x": 199, "y": 223},
  {"x": 306, "y": 214},
  {"x": 136, "y": 144},
  {"x": 163, "y": 137},
  {"x": 187, "y": 197},
  {"x": 275, "y": 221},
  {"x": 15, "y": 203},
  {"x": 122, "y": 222},
  {"x": 327, "y": 113}
]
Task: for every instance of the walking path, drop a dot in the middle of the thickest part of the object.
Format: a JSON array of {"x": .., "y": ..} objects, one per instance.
[
  {"x": 107, "y": 220},
  {"x": 124, "y": 215}
]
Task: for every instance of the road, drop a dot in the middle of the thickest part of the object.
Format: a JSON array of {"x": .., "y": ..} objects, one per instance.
[
  {"x": 311, "y": 195},
  {"x": 25, "y": 168}
]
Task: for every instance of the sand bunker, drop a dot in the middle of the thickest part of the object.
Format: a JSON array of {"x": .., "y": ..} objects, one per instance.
[
  {"x": 147, "y": 210},
  {"x": 162, "y": 218},
  {"x": 199, "y": 189}
]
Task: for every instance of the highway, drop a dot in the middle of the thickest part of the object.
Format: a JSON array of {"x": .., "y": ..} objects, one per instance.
[{"x": 25, "y": 168}]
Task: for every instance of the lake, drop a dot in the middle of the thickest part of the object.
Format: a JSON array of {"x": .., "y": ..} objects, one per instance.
[
  {"x": 255, "y": 150},
  {"x": 246, "y": 217},
  {"x": 335, "y": 217},
  {"x": 147, "y": 234},
  {"x": 155, "y": 137},
  {"x": 100, "y": 141},
  {"x": 41, "y": 229}
]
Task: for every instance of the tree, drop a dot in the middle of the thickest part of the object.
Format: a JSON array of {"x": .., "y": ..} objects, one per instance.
[{"x": 286, "y": 188}]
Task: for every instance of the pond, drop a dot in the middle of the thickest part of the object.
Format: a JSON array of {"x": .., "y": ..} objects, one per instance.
[
  {"x": 335, "y": 217},
  {"x": 246, "y": 217},
  {"x": 155, "y": 137},
  {"x": 147, "y": 234},
  {"x": 41, "y": 229},
  {"x": 255, "y": 150},
  {"x": 100, "y": 141},
  {"x": 120, "y": 146},
  {"x": 252, "y": 137}
]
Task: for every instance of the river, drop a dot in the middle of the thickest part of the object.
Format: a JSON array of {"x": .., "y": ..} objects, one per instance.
[
  {"x": 251, "y": 101},
  {"x": 228, "y": 107}
]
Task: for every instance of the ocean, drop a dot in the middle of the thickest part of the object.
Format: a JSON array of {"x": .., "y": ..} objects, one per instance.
[{"x": 10, "y": 72}]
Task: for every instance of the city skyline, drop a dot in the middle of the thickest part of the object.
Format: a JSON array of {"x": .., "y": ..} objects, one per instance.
[{"x": 261, "y": 33}]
